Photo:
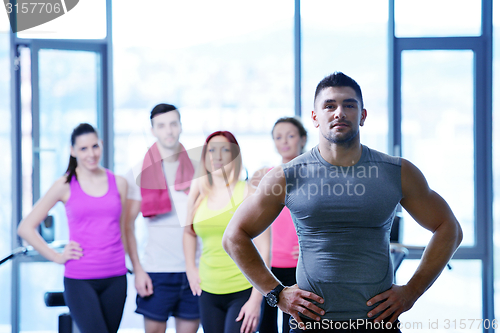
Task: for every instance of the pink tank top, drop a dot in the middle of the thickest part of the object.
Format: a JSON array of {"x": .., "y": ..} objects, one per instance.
[
  {"x": 284, "y": 238},
  {"x": 94, "y": 223}
]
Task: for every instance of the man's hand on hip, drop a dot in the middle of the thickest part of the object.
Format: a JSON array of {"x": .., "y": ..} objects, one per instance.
[
  {"x": 293, "y": 301},
  {"x": 395, "y": 301}
]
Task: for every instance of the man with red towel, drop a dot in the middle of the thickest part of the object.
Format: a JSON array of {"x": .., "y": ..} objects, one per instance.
[{"x": 160, "y": 194}]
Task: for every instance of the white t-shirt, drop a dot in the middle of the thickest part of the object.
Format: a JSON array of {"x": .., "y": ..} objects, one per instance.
[{"x": 163, "y": 252}]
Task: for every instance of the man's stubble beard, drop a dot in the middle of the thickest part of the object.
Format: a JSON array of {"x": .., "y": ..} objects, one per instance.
[{"x": 346, "y": 141}]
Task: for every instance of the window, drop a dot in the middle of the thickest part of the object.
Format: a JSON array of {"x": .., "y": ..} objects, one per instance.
[
  {"x": 455, "y": 296},
  {"x": 226, "y": 65},
  {"x": 86, "y": 20},
  {"x": 228, "y": 69},
  {"x": 432, "y": 18},
  {"x": 437, "y": 132},
  {"x": 445, "y": 120},
  {"x": 5, "y": 179},
  {"x": 349, "y": 37}
]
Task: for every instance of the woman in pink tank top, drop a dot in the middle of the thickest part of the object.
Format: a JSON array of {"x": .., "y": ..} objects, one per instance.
[
  {"x": 94, "y": 278},
  {"x": 290, "y": 138}
]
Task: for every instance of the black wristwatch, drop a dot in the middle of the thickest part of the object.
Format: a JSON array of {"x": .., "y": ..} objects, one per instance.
[{"x": 273, "y": 296}]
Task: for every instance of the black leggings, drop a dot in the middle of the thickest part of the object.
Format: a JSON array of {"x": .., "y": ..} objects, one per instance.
[
  {"x": 96, "y": 305},
  {"x": 219, "y": 312},
  {"x": 269, "y": 315}
]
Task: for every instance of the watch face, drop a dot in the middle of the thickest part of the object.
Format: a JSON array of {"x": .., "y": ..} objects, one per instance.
[{"x": 272, "y": 300}]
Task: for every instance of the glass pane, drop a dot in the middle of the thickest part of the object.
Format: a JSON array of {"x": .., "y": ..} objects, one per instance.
[
  {"x": 333, "y": 41},
  {"x": 6, "y": 180},
  {"x": 85, "y": 20},
  {"x": 437, "y": 132},
  {"x": 456, "y": 295},
  {"x": 4, "y": 24},
  {"x": 68, "y": 96},
  {"x": 230, "y": 72},
  {"x": 496, "y": 152},
  {"x": 437, "y": 18},
  {"x": 36, "y": 279},
  {"x": 26, "y": 130},
  {"x": 226, "y": 72}
]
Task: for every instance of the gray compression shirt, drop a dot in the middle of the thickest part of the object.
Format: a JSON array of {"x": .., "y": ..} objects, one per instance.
[{"x": 343, "y": 217}]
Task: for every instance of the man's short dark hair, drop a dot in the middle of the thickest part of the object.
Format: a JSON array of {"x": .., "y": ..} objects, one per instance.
[
  {"x": 339, "y": 79},
  {"x": 163, "y": 108}
]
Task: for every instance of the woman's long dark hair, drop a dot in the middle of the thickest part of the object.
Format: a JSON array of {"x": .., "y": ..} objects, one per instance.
[{"x": 81, "y": 129}]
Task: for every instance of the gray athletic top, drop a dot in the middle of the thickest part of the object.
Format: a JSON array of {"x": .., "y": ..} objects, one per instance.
[{"x": 343, "y": 217}]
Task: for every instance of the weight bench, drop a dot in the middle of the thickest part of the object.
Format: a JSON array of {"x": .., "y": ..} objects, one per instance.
[{"x": 66, "y": 324}]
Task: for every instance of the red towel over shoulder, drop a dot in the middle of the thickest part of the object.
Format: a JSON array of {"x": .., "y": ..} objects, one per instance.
[{"x": 154, "y": 188}]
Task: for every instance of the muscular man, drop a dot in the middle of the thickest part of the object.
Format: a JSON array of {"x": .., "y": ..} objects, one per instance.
[
  {"x": 343, "y": 197},
  {"x": 160, "y": 193}
]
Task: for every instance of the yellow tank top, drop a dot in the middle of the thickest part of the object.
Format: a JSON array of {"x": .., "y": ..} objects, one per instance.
[{"x": 218, "y": 272}]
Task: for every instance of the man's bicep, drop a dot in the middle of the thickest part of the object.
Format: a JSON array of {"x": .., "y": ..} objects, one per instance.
[
  {"x": 427, "y": 207},
  {"x": 256, "y": 214},
  {"x": 260, "y": 209}
]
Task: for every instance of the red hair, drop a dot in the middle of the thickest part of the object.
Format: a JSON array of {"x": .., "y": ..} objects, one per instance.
[
  {"x": 235, "y": 147},
  {"x": 204, "y": 174}
]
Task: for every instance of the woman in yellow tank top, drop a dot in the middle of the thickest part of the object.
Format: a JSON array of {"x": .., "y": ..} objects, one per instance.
[{"x": 228, "y": 304}]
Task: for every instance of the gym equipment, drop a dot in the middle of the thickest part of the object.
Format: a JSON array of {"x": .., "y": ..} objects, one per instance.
[{"x": 65, "y": 324}]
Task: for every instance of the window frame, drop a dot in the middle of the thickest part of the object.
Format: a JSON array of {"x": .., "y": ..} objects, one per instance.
[
  {"x": 103, "y": 47},
  {"x": 482, "y": 47}
]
